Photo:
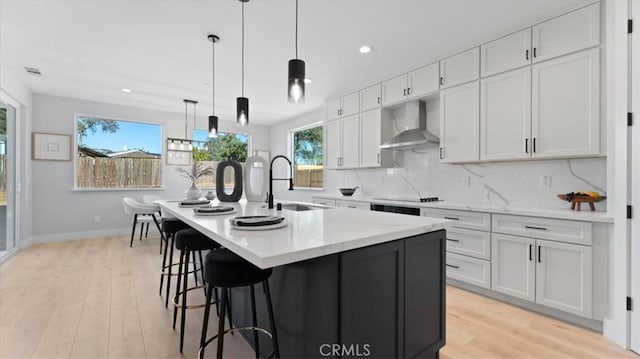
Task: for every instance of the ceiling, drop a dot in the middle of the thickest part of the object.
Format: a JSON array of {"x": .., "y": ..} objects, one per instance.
[{"x": 159, "y": 49}]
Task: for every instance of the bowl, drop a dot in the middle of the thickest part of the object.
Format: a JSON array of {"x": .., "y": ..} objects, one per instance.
[{"x": 348, "y": 191}]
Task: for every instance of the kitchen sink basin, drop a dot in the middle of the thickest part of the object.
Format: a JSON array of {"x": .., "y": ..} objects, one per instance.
[{"x": 299, "y": 207}]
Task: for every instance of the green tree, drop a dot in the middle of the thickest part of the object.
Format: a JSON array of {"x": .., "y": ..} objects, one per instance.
[
  {"x": 91, "y": 124},
  {"x": 201, "y": 154},
  {"x": 228, "y": 146},
  {"x": 308, "y": 146}
]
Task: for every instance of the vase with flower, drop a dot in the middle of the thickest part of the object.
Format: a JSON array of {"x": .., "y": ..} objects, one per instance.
[{"x": 194, "y": 173}]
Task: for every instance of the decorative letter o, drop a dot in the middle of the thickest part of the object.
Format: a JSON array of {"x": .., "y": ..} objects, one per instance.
[{"x": 237, "y": 186}]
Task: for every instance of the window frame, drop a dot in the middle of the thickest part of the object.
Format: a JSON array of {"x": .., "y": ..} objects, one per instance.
[
  {"x": 163, "y": 165},
  {"x": 249, "y": 147},
  {"x": 291, "y": 148}
]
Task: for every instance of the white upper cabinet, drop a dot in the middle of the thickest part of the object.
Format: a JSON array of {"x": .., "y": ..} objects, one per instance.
[
  {"x": 344, "y": 106},
  {"x": 414, "y": 84},
  {"x": 566, "y": 106},
  {"x": 507, "y": 53},
  {"x": 332, "y": 144},
  {"x": 370, "y": 136},
  {"x": 423, "y": 81},
  {"x": 460, "y": 68},
  {"x": 574, "y": 31},
  {"x": 350, "y": 142},
  {"x": 460, "y": 123},
  {"x": 394, "y": 90},
  {"x": 370, "y": 98},
  {"x": 505, "y": 116}
]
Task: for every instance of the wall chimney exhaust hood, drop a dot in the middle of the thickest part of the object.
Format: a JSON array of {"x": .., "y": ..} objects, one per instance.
[{"x": 415, "y": 133}]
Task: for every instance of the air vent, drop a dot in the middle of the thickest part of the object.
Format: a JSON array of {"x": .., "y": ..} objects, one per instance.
[{"x": 33, "y": 71}]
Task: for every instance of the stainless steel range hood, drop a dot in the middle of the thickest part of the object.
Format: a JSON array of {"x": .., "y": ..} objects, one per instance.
[{"x": 415, "y": 133}]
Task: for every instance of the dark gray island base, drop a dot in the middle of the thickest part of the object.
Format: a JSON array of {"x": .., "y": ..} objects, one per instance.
[{"x": 381, "y": 301}]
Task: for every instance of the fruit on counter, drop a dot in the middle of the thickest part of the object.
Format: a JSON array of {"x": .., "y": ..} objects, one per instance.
[{"x": 592, "y": 194}]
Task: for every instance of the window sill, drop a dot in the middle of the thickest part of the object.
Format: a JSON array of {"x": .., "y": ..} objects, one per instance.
[
  {"x": 116, "y": 189},
  {"x": 315, "y": 189}
]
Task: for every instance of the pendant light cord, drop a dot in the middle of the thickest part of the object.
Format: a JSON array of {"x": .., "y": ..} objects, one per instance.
[
  {"x": 213, "y": 75},
  {"x": 243, "y": 49},
  {"x": 186, "y": 119},
  {"x": 194, "y": 116},
  {"x": 296, "y": 29}
]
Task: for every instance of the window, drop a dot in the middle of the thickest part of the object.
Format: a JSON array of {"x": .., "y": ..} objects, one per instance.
[
  {"x": 211, "y": 151},
  {"x": 306, "y": 145},
  {"x": 117, "y": 154}
]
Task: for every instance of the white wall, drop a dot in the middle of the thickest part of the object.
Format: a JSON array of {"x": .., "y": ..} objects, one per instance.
[
  {"x": 59, "y": 212},
  {"x": 11, "y": 85}
]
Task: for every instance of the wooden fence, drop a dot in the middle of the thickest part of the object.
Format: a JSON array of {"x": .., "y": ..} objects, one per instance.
[
  {"x": 308, "y": 176},
  {"x": 118, "y": 172}
]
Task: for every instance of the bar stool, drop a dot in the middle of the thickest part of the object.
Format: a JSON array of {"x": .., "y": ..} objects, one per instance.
[
  {"x": 189, "y": 241},
  {"x": 170, "y": 226},
  {"x": 226, "y": 270}
]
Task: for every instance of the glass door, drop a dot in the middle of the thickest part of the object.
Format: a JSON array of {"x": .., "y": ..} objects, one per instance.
[{"x": 8, "y": 114}]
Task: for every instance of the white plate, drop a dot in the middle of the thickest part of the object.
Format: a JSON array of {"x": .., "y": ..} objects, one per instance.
[
  {"x": 214, "y": 213},
  {"x": 282, "y": 224}
]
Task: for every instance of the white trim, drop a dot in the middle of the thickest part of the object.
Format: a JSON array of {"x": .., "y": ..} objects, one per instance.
[
  {"x": 75, "y": 150},
  {"x": 634, "y": 152},
  {"x": 6, "y": 255},
  {"x": 57, "y": 237},
  {"x": 17, "y": 168},
  {"x": 290, "y": 133}
]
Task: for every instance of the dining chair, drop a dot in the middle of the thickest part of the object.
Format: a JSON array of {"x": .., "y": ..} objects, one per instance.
[{"x": 143, "y": 214}]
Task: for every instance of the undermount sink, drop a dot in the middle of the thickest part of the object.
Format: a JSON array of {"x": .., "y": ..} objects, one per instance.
[{"x": 299, "y": 207}]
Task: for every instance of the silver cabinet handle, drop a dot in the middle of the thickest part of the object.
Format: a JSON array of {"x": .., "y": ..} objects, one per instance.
[
  {"x": 452, "y": 266},
  {"x": 453, "y": 240},
  {"x": 408, "y": 90},
  {"x": 379, "y": 100},
  {"x": 538, "y": 228},
  {"x": 452, "y": 218},
  {"x": 352, "y": 206},
  {"x": 404, "y": 92},
  {"x": 441, "y": 81},
  {"x": 378, "y": 158},
  {"x": 441, "y": 153}
]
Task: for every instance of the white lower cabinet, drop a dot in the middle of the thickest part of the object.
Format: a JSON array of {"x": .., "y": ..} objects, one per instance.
[
  {"x": 468, "y": 269},
  {"x": 354, "y": 204},
  {"x": 551, "y": 273},
  {"x": 324, "y": 202}
]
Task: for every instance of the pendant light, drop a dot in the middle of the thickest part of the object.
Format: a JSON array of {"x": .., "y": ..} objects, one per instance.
[
  {"x": 213, "y": 119},
  {"x": 242, "y": 103},
  {"x": 296, "y": 73}
]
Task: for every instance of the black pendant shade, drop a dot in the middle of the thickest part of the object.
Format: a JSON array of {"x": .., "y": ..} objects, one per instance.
[
  {"x": 242, "y": 110},
  {"x": 296, "y": 81},
  {"x": 213, "y": 126}
]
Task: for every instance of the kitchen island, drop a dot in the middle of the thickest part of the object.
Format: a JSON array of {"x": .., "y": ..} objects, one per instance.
[{"x": 346, "y": 283}]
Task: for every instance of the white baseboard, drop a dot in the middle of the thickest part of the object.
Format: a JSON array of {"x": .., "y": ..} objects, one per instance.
[
  {"x": 56, "y": 237},
  {"x": 26, "y": 243}
]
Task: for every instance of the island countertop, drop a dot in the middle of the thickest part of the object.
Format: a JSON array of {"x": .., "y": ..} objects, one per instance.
[{"x": 309, "y": 234}]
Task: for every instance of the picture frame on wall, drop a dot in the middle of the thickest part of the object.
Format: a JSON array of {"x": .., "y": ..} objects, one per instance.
[{"x": 50, "y": 147}]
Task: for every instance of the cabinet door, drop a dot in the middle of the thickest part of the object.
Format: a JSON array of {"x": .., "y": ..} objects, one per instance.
[
  {"x": 351, "y": 104},
  {"x": 372, "y": 298},
  {"x": 564, "y": 277},
  {"x": 370, "y": 98},
  {"x": 333, "y": 109},
  {"x": 394, "y": 90},
  {"x": 424, "y": 80},
  {"x": 566, "y": 106},
  {"x": 460, "y": 123},
  {"x": 350, "y": 142},
  {"x": 574, "y": 31},
  {"x": 507, "y": 53},
  {"x": 505, "y": 116},
  {"x": 370, "y": 128},
  {"x": 513, "y": 266},
  {"x": 460, "y": 68},
  {"x": 332, "y": 143}
]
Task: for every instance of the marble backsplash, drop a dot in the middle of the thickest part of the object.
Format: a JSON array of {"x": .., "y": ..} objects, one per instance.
[{"x": 419, "y": 173}]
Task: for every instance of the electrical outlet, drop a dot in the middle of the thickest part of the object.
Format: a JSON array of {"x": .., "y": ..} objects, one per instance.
[
  {"x": 545, "y": 181},
  {"x": 97, "y": 219}
]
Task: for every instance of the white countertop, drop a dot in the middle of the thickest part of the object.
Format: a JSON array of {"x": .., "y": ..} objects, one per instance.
[
  {"x": 584, "y": 215},
  {"x": 309, "y": 234}
]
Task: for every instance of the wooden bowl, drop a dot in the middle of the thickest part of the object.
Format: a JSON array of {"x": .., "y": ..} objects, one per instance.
[{"x": 579, "y": 199}]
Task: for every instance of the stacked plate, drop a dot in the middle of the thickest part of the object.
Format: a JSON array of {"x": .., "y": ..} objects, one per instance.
[
  {"x": 190, "y": 203},
  {"x": 214, "y": 210},
  {"x": 257, "y": 223}
]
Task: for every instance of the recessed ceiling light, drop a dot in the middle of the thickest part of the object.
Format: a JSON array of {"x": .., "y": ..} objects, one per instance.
[
  {"x": 365, "y": 49},
  {"x": 126, "y": 90},
  {"x": 307, "y": 81}
]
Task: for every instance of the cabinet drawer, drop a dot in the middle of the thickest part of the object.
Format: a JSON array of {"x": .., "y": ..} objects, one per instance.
[
  {"x": 470, "y": 243},
  {"x": 470, "y": 270},
  {"x": 352, "y": 204},
  {"x": 325, "y": 202},
  {"x": 462, "y": 219},
  {"x": 543, "y": 228}
]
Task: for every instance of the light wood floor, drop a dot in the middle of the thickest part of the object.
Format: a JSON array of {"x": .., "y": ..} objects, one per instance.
[{"x": 99, "y": 298}]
